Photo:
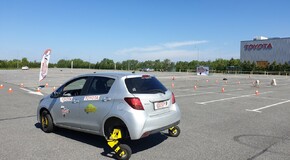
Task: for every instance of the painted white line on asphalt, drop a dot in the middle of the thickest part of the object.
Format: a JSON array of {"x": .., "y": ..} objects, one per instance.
[
  {"x": 253, "y": 111},
  {"x": 230, "y": 98},
  {"x": 32, "y": 92},
  {"x": 272, "y": 105},
  {"x": 194, "y": 94}
]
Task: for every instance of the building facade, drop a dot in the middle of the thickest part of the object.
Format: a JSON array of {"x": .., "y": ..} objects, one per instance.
[{"x": 265, "y": 51}]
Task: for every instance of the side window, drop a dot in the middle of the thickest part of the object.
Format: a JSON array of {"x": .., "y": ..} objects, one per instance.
[
  {"x": 100, "y": 85},
  {"x": 74, "y": 88}
]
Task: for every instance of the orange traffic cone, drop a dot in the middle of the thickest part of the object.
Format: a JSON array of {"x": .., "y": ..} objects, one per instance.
[
  {"x": 10, "y": 90},
  {"x": 38, "y": 89},
  {"x": 223, "y": 90},
  {"x": 1, "y": 86},
  {"x": 257, "y": 92}
]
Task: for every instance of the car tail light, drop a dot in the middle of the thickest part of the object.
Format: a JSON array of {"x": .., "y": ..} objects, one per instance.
[
  {"x": 135, "y": 103},
  {"x": 173, "y": 98}
]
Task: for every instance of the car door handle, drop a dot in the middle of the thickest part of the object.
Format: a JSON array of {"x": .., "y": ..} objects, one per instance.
[
  {"x": 105, "y": 99},
  {"x": 75, "y": 101}
]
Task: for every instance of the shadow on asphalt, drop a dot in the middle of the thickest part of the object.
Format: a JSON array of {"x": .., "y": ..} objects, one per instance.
[{"x": 100, "y": 142}]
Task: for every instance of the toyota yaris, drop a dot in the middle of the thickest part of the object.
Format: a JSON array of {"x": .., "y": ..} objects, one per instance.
[{"x": 114, "y": 105}]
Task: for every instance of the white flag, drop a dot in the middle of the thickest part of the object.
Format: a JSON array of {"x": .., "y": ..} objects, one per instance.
[{"x": 44, "y": 64}]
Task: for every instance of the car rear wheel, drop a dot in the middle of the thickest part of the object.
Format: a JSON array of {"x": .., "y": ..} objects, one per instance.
[
  {"x": 126, "y": 152},
  {"x": 174, "y": 131},
  {"x": 46, "y": 122}
]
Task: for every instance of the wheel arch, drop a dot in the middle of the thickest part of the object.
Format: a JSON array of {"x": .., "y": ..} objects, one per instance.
[
  {"x": 41, "y": 110},
  {"x": 115, "y": 122}
]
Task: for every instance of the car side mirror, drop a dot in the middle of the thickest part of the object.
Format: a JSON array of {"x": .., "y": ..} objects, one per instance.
[{"x": 55, "y": 94}]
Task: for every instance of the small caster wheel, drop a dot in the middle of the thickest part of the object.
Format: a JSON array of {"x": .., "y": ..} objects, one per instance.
[
  {"x": 174, "y": 131},
  {"x": 125, "y": 154}
]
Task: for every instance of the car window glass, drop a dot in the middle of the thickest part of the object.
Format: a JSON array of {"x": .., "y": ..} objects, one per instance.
[
  {"x": 144, "y": 85},
  {"x": 74, "y": 88},
  {"x": 101, "y": 85}
]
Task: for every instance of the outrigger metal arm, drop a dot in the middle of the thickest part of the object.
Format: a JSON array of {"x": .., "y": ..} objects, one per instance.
[
  {"x": 173, "y": 130},
  {"x": 114, "y": 143}
]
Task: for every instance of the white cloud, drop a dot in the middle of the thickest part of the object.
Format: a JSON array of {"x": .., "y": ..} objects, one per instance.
[
  {"x": 165, "y": 54},
  {"x": 185, "y": 43},
  {"x": 138, "y": 49},
  {"x": 162, "y": 51}
]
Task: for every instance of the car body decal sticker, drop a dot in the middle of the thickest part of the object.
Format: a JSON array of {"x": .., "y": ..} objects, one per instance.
[
  {"x": 91, "y": 98},
  {"x": 90, "y": 108},
  {"x": 65, "y": 99},
  {"x": 64, "y": 110}
]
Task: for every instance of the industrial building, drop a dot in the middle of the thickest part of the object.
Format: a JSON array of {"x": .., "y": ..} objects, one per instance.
[{"x": 265, "y": 51}]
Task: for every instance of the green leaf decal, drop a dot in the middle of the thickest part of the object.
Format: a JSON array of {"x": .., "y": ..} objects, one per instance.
[{"x": 90, "y": 108}]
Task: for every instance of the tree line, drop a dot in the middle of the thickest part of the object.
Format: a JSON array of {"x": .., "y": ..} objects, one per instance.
[{"x": 218, "y": 65}]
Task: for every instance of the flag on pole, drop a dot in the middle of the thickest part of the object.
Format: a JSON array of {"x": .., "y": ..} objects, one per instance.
[{"x": 44, "y": 64}]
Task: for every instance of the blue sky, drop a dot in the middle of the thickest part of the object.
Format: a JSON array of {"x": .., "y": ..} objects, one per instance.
[{"x": 180, "y": 30}]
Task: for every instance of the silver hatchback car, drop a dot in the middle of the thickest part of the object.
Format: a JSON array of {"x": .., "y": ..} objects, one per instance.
[{"x": 114, "y": 105}]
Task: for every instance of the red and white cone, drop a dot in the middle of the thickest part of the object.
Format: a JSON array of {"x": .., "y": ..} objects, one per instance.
[
  {"x": 257, "y": 92},
  {"x": 10, "y": 90},
  {"x": 172, "y": 85}
]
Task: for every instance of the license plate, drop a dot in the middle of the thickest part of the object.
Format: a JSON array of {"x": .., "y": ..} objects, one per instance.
[{"x": 159, "y": 105}]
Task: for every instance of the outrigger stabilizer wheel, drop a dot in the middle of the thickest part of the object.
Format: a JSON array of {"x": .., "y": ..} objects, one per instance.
[
  {"x": 174, "y": 131},
  {"x": 123, "y": 151}
]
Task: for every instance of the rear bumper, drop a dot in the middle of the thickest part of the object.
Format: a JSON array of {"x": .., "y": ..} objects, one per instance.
[
  {"x": 162, "y": 128},
  {"x": 144, "y": 125}
]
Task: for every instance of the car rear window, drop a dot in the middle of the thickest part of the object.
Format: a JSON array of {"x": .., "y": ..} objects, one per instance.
[{"x": 144, "y": 85}]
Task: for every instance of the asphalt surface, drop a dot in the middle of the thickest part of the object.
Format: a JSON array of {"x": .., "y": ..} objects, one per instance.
[{"x": 221, "y": 119}]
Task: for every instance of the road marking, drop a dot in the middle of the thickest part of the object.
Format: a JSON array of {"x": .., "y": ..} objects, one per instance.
[
  {"x": 230, "y": 98},
  {"x": 32, "y": 92},
  {"x": 272, "y": 105},
  {"x": 194, "y": 94}
]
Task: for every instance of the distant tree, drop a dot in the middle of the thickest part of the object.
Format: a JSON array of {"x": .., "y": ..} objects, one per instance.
[
  {"x": 24, "y": 62},
  {"x": 193, "y": 64},
  {"x": 182, "y": 66},
  {"x": 166, "y": 65},
  {"x": 285, "y": 67},
  {"x": 63, "y": 63},
  {"x": 107, "y": 64},
  {"x": 272, "y": 66}
]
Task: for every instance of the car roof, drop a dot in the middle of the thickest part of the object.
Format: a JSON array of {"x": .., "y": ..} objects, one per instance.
[{"x": 113, "y": 74}]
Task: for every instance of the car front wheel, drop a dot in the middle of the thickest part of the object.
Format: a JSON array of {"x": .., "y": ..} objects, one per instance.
[{"x": 46, "y": 122}]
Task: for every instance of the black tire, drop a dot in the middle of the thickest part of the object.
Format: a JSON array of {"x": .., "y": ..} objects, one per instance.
[
  {"x": 46, "y": 122},
  {"x": 175, "y": 132},
  {"x": 128, "y": 152}
]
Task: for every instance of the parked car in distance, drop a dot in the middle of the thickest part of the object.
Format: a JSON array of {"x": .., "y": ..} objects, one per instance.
[
  {"x": 147, "y": 70},
  {"x": 25, "y": 68},
  {"x": 136, "y": 105}
]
